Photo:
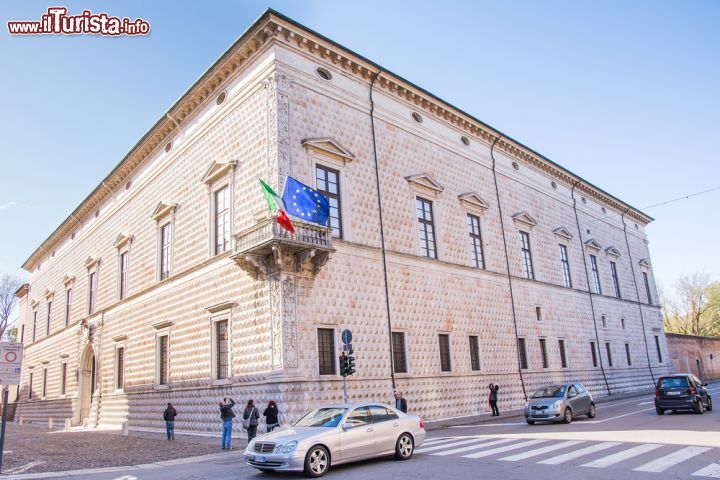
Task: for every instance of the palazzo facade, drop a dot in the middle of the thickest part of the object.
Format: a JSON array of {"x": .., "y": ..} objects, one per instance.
[{"x": 455, "y": 254}]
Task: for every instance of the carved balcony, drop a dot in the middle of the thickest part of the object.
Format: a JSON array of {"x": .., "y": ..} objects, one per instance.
[{"x": 267, "y": 248}]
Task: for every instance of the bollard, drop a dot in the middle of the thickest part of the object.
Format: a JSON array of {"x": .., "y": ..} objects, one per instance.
[
  {"x": 67, "y": 424},
  {"x": 50, "y": 423},
  {"x": 125, "y": 428},
  {"x": 21, "y": 421}
]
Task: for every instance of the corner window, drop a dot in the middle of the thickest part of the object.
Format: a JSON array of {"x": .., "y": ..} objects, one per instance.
[
  {"x": 565, "y": 263},
  {"x": 527, "y": 255},
  {"x": 398, "y": 352},
  {"x": 327, "y": 182},
  {"x": 445, "y": 364},
  {"x": 326, "y": 351},
  {"x": 426, "y": 227},
  {"x": 476, "y": 246},
  {"x": 221, "y": 221}
]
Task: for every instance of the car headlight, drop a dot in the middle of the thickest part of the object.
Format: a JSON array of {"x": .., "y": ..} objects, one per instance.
[
  {"x": 287, "y": 448},
  {"x": 250, "y": 446},
  {"x": 557, "y": 403}
]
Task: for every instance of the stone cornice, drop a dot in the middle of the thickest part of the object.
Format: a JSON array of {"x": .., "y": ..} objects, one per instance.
[
  {"x": 23, "y": 290},
  {"x": 274, "y": 27}
]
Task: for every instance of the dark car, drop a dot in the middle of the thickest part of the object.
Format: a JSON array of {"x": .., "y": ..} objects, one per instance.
[{"x": 682, "y": 392}]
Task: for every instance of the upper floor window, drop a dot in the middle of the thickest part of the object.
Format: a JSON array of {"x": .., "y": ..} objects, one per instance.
[
  {"x": 647, "y": 287},
  {"x": 527, "y": 255},
  {"x": 616, "y": 281},
  {"x": 165, "y": 250},
  {"x": 92, "y": 284},
  {"x": 426, "y": 227},
  {"x": 49, "y": 316},
  {"x": 565, "y": 266},
  {"x": 124, "y": 258},
  {"x": 595, "y": 274},
  {"x": 327, "y": 182},
  {"x": 68, "y": 304},
  {"x": 34, "y": 325},
  {"x": 477, "y": 258},
  {"x": 221, "y": 227}
]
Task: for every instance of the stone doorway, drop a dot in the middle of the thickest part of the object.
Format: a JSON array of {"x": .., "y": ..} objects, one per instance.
[{"x": 86, "y": 384}]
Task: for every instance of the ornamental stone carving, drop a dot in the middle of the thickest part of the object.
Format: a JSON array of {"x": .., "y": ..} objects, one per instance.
[
  {"x": 283, "y": 312},
  {"x": 278, "y": 87}
]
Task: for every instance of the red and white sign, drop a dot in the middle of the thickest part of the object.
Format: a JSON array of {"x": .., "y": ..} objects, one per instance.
[{"x": 10, "y": 363}]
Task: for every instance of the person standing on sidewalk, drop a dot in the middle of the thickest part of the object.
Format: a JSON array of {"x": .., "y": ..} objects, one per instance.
[
  {"x": 400, "y": 402},
  {"x": 227, "y": 415},
  {"x": 271, "y": 416},
  {"x": 169, "y": 416},
  {"x": 492, "y": 399},
  {"x": 250, "y": 420}
]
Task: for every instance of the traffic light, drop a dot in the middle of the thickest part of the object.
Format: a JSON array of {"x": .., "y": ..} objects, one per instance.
[
  {"x": 350, "y": 364},
  {"x": 344, "y": 364}
]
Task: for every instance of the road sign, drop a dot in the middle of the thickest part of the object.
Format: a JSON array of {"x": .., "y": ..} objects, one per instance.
[
  {"x": 10, "y": 363},
  {"x": 346, "y": 336}
]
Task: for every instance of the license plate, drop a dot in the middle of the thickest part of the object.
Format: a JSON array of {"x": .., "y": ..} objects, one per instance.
[
  {"x": 675, "y": 392},
  {"x": 259, "y": 459}
]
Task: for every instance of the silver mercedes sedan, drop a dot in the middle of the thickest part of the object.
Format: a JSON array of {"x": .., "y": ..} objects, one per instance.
[
  {"x": 337, "y": 434},
  {"x": 559, "y": 403}
]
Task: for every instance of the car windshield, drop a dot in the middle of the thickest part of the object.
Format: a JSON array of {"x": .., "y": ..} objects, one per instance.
[
  {"x": 673, "y": 382},
  {"x": 550, "y": 392},
  {"x": 322, "y": 417}
]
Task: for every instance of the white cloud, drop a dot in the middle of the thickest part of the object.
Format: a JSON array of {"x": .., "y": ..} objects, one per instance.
[{"x": 6, "y": 205}]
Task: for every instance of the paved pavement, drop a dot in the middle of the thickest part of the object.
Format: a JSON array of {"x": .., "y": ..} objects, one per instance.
[{"x": 626, "y": 440}]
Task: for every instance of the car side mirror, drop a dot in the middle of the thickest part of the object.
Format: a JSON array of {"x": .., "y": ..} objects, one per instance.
[
  {"x": 347, "y": 426},
  {"x": 704, "y": 384}
]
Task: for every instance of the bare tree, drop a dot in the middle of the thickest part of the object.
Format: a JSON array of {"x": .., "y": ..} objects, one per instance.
[
  {"x": 694, "y": 309},
  {"x": 8, "y": 287}
]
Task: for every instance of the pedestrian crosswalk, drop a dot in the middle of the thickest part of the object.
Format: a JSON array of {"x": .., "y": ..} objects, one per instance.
[{"x": 642, "y": 457}]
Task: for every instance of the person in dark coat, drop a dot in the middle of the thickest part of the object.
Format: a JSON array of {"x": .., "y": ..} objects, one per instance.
[
  {"x": 227, "y": 415},
  {"x": 271, "y": 416},
  {"x": 250, "y": 420},
  {"x": 400, "y": 402},
  {"x": 169, "y": 416},
  {"x": 492, "y": 399}
]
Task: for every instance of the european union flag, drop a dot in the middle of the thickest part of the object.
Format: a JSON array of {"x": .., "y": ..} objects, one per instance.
[{"x": 305, "y": 203}]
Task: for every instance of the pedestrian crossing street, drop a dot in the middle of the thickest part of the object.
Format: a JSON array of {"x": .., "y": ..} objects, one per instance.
[{"x": 643, "y": 457}]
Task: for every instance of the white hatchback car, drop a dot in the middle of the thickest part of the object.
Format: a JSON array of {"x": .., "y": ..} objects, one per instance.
[{"x": 337, "y": 434}]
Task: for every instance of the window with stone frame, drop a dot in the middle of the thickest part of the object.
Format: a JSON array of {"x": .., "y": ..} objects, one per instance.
[
  {"x": 477, "y": 256},
  {"x": 398, "y": 352},
  {"x": 222, "y": 352},
  {"x": 165, "y": 249},
  {"x": 63, "y": 378},
  {"x": 593, "y": 351},
  {"x": 49, "y": 317},
  {"x": 608, "y": 349},
  {"x": 327, "y": 182},
  {"x": 563, "y": 354},
  {"x": 595, "y": 274},
  {"x": 543, "y": 353},
  {"x": 120, "y": 368},
  {"x": 68, "y": 305},
  {"x": 163, "y": 359},
  {"x": 616, "y": 280},
  {"x": 426, "y": 227},
  {"x": 22, "y": 333},
  {"x": 627, "y": 354},
  {"x": 646, "y": 281},
  {"x": 123, "y": 274},
  {"x": 565, "y": 263},
  {"x": 657, "y": 347},
  {"x": 445, "y": 363},
  {"x": 522, "y": 352},
  {"x": 475, "y": 364},
  {"x": 527, "y": 255},
  {"x": 326, "y": 351},
  {"x": 30, "y": 386},
  {"x": 92, "y": 292},
  {"x": 43, "y": 390},
  {"x": 34, "y": 326},
  {"x": 221, "y": 220}
]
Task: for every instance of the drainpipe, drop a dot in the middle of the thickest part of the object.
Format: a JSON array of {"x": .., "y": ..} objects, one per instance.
[
  {"x": 587, "y": 278},
  {"x": 507, "y": 266},
  {"x": 382, "y": 231},
  {"x": 637, "y": 293}
]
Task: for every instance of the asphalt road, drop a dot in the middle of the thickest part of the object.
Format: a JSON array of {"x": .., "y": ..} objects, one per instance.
[{"x": 627, "y": 440}]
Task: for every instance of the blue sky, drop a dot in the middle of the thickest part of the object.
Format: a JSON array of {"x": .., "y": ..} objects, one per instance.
[{"x": 625, "y": 94}]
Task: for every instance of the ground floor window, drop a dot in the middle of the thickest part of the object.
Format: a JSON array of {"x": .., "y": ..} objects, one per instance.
[
  {"x": 627, "y": 353},
  {"x": 326, "y": 351},
  {"x": 445, "y": 364},
  {"x": 474, "y": 353},
  {"x": 163, "y": 359},
  {"x": 221, "y": 350},
  {"x": 63, "y": 378},
  {"x": 594, "y": 354},
  {"x": 563, "y": 356},
  {"x": 44, "y": 383},
  {"x": 120, "y": 368},
  {"x": 609, "y": 353},
  {"x": 398, "y": 352},
  {"x": 543, "y": 352},
  {"x": 522, "y": 353},
  {"x": 657, "y": 346}
]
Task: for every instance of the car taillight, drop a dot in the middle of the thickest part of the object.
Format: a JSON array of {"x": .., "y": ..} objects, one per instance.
[
  {"x": 692, "y": 391},
  {"x": 657, "y": 392},
  {"x": 421, "y": 424}
]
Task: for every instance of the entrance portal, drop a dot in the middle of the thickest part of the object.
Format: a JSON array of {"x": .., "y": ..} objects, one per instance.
[{"x": 86, "y": 383}]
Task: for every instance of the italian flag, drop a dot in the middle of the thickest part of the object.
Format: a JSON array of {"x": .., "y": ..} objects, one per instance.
[{"x": 276, "y": 204}]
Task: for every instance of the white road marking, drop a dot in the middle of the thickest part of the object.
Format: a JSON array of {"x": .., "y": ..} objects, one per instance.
[
  {"x": 433, "y": 441},
  {"x": 621, "y": 456},
  {"x": 712, "y": 470},
  {"x": 507, "y": 448},
  {"x": 620, "y": 416},
  {"x": 663, "y": 463},
  {"x": 432, "y": 448},
  {"x": 579, "y": 453},
  {"x": 489, "y": 425},
  {"x": 646, "y": 403},
  {"x": 475, "y": 447},
  {"x": 540, "y": 451}
]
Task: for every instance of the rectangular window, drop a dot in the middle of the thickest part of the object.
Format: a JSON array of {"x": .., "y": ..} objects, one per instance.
[
  {"x": 474, "y": 353},
  {"x": 30, "y": 386},
  {"x": 646, "y": 280},
  {"x": 120, "y": 368},
  {"x": 326, "y": 351},
  {"x": 68, "y": 304},
  {"x": 123, "y": 274},
  {"x": 426, "y": 227},
  {"x": 92, "y": 283},
  {"x": 543, "y": 353},
  {"x": 563, "y": 356},
  {"x": 527, "y": 255},
  {"x": 657, "y": 346},
  {"x": 63, "y": 378},
  {"x": 34, "y": 331},
  {"x": 221, "y": 350},
  {"x": 22, "y": 333},
  {"x": 47, "y": 322},
  {"x": 616, "y": 281},
  {"x": 522, "y": 352},
  {"x": 594, "y": 354},
  {"x": 327, "y": 181},
  {"x": 163, "y": 359},
  {"x": 603, "y": 318},
  {"x": 609, "y": 353},
  {"x": 398, "y": 351},
  {"x": 221, "y": 227},
  {"x": 165, "y": 247},
  {"x": 595, "y": 274},
  {"x": 44, "y": 383},
  {"x": 565, "y": 266},
  {"x": 627, "y": 354},
  {"x": 476, "y": 256},
  {"x": 445, "y": 364},
  {"x": 622, "y": 323},
  {"x": 538, "y": 313}
]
